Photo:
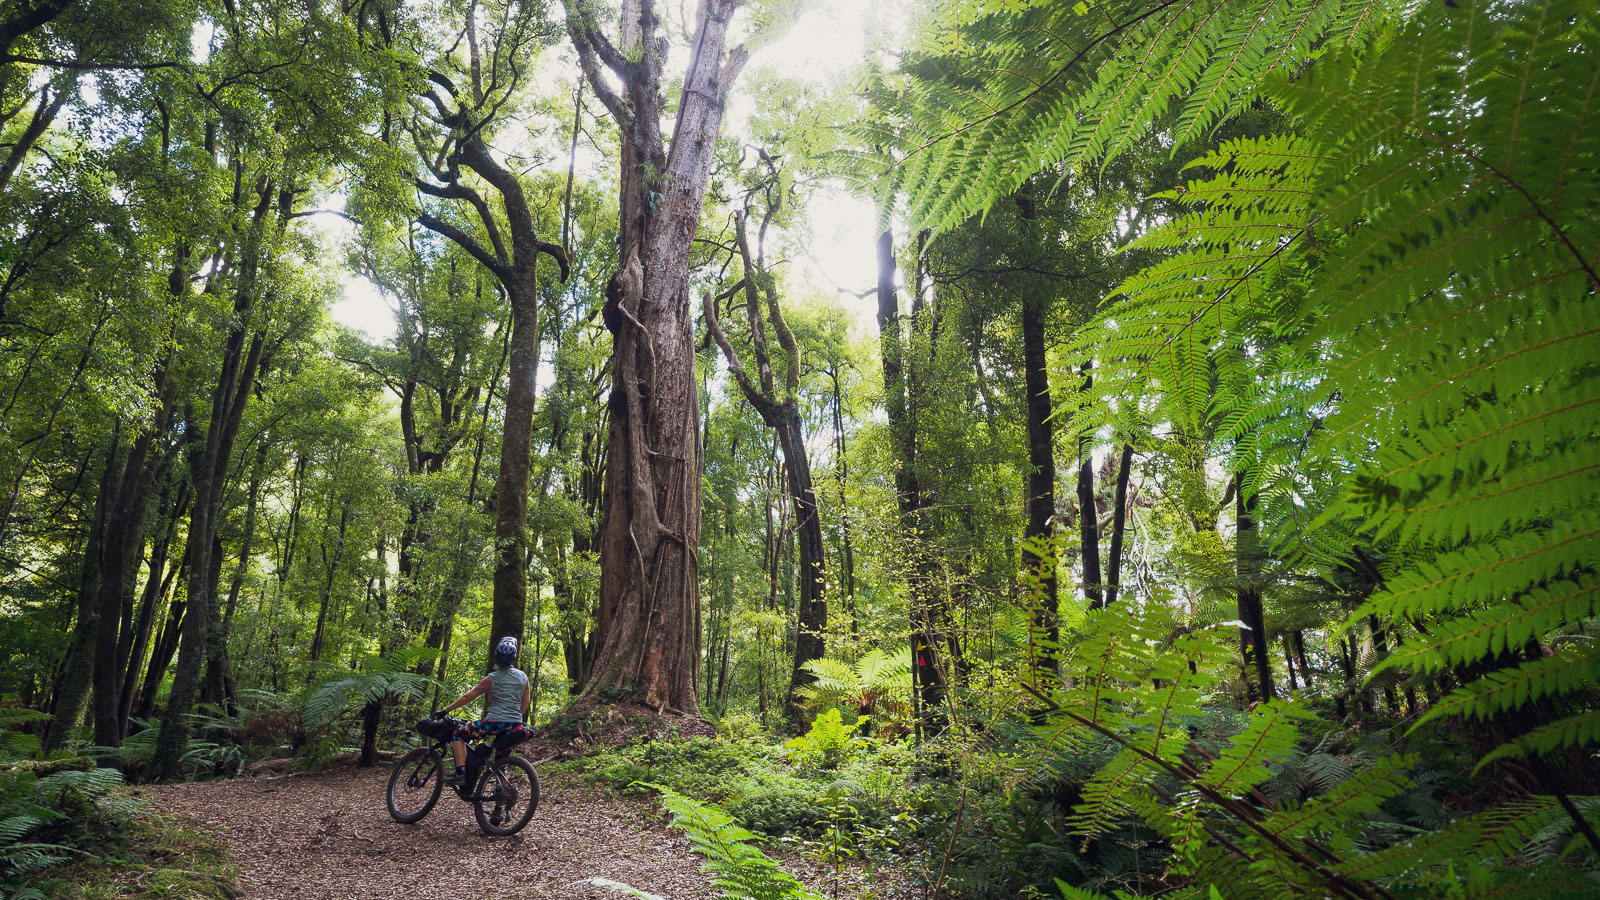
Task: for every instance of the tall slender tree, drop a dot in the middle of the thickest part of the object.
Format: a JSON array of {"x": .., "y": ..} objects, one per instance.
[
  {"x": 451, "y": 132},
  {"x": 780, "y": 409}
]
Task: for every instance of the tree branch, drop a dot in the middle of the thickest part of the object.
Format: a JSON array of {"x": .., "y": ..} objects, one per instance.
[
  {"x": 75, "y": 65},
  {"x": 764, "y": 403},
  {"x": 455, "y": 190},
  {"x": 588, "y": 61},
  {"x": 466, "y": 242}
]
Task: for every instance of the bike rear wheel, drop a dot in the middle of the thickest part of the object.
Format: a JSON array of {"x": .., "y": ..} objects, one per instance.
[
  {"x": 415, "y": 785},
  {"x": 504, "y": 809}
]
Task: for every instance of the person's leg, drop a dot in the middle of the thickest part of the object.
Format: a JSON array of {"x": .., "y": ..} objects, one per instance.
[{"x": 458, "y": 749}]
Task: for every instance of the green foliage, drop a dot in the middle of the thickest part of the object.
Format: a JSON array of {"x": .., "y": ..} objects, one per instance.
[
  {"x": 379, "y": 678},
  {"x": 1202, "y": 792},
  {"x": 1329, "y": 263},
  {"x": 47, "y": 821},
  {"x": 829, "y": 739},
  {"x": 738, "y": 869},
  {"x": 1395, "y": 302},
  {"x": 878, "y": 682},
  {"x": 1006, "y": 90}
]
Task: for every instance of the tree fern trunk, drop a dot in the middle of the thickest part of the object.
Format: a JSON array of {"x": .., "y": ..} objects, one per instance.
[
  {"x": 1039, "y": 554},
  {"x": 1119, "y": 520},
  {"x": 1252, "y": 628},
  {"x": 1300, "y": 656},
  {"x": 1089, "y": 518},
  {"x": 842, "y": 476},
  {"x": 1380, "y": 645}
]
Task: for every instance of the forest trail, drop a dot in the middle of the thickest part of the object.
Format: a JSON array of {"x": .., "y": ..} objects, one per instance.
[{"x": 327, "y": 835}]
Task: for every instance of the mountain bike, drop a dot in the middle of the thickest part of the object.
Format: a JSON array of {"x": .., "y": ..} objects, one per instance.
[{"x": 502, "y": 787}]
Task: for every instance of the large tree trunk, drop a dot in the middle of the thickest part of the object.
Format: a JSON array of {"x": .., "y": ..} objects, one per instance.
[
  {"x": 166, "y": 643},
  {"x": 208, "y": 466},
  {"x": 648, "y": 627},
  {"x": 442, "y": 623},
  {"x": 124, "y": 539},
  {"x": 516, "y": 269},
  {"x": 811, "y": 621},
  {"x": 219, "y": 681},
  {"x": 136, "y": 640},
  {"x": 1039, "y": 551}
]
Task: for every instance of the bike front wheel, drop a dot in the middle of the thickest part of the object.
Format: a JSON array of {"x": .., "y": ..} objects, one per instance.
[
  {"x": 415, "y": 785},
  {"x": 504, "y": 804}
]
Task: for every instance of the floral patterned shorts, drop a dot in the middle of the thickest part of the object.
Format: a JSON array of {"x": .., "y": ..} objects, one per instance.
[{"x": 481, "y": 729}]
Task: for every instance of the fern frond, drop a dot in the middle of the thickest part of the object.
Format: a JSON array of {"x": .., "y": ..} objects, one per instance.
[
  {"x": 1581, "y": 730},
  {"x": 1351, "y": 800},
  {"x": 1493, "y": 838},
  {"x": 1270, "y": 736},
  {"x": 738, "y": 869},
  {"x": 975, "y": 124}
]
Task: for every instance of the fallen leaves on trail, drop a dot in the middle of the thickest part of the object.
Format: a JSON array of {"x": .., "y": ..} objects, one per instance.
[{"x": 328, "y": 836}]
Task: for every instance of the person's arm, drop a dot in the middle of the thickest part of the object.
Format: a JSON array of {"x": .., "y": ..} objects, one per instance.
[
  {"x": 527, "y": 699},
  {"x": 478, "y": 691}
]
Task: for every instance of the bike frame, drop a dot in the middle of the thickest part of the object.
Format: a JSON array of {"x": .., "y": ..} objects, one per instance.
[{"x": 444, "y": 751}]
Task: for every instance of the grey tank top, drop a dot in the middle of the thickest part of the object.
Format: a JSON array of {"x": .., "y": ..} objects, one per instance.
[{"x": 505, "y": 695}]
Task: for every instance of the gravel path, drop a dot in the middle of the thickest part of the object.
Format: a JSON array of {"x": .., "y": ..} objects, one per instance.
[{"x": 328, "y": 836}]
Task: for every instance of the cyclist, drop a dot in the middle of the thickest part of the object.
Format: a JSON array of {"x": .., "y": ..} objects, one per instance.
[{"x": 509, "y": 694}]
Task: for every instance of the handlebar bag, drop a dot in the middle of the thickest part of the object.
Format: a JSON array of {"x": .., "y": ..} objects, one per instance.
[{"x": 438, "y": 729}]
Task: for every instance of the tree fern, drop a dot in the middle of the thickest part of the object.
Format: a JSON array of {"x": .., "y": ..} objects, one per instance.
[
  {"x": 379, "y": 677},
  {"x": 876, "y": 681},
  {"x": 1391, "y": 313},
  {"x": 1209, "y": 796},
  {"x": 1468, "y": 280},
  {"x": 1013, "y": 89}
]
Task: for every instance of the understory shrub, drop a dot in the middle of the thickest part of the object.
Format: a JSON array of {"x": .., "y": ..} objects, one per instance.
[{"x": 53, "y": 811}]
